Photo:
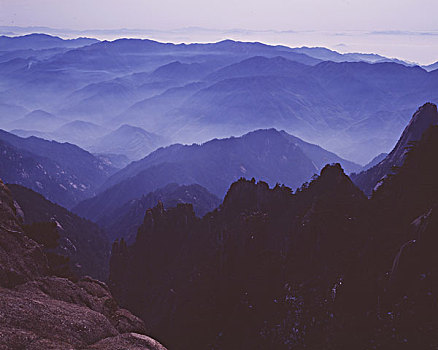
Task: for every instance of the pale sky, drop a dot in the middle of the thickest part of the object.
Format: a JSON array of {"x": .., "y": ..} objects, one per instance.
[{"x": 407, "y": 29}]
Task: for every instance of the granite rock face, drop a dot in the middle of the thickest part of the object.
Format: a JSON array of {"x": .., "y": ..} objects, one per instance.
[
  {"x": 38, "y": 311},
  {"x": 20, "y": 257}
]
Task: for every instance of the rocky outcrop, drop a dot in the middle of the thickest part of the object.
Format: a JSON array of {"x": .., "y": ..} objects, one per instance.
[
  {"x": 131, "y": 341},
  {"x": 20, "y": 258},
  {"x": 39, "y": 311},
  {"x": 228, "y": 270},
  {"x": 424, "y": 117},
  {"x": 124, "y": 221},
  {"x": 82, "y": 241}
]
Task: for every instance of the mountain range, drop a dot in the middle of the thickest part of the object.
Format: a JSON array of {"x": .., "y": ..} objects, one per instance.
[
  {"x": 270, "y": 155},
  {"x": 193, "y": 93},
  {"x": 126, "y": 141},
  {"x": 41, "y": 41}
]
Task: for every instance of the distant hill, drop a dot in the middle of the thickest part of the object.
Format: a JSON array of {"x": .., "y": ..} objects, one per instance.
[
  {"x": 62, "y": 172},
  {"x": 133, "y": 142},
  {"x": 325, "y": 54},
  {"x": 431, "y": 67},
  {"x": 153, "y": 112},
  {"x": 41, "y": 41},
  {"x": 79, "y": 132},
  {"x": 100, "y": 100},
  {"x": 125, "y": 220},
  {"x": 376, "y": 160},
  {"x": 186, "y": 72},
  {"x": 81, "y": 240},
  {"x": 270, "y": 155},
  {"x": 38, "y": 120},
  {"x": 30, "y": 133},
  {"x": 259, "y": 65},
  {"x": 9, "y": 112},
  {"x": 117, "y": 161}
]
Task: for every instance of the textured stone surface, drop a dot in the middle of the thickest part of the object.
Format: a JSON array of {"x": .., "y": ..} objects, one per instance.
[
  {"x": 20, "y": 258},
  {"x": 40, "y": 312},
  {"x": 131, "y": 341}
]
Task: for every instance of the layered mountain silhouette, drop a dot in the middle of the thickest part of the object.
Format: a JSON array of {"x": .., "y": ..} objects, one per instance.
[
  {"x": 133, "y": 142},
  {"x": 259, "y": 65},
  {"x": 129, "y": 141},
  {"x": 38, "y": 120},
  {"x": 324, "y": 267},
  {"x": 193, "y": 93},
  {"x": 79, "y": 132},
  {"x": 325, "y": 54},
  {"x": 270, "y": 155},
  {"x": 62, "y": 172},
  {"x": 425, "y": 117}
]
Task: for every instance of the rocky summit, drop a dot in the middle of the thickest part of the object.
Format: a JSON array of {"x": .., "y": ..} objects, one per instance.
[{"x": 43, "y": 311}]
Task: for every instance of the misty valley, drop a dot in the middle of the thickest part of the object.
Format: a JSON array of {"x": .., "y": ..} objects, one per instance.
[{"x": 227, "y": 195}]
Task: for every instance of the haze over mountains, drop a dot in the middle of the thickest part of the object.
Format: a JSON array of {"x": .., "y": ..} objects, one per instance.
[
  {"x": 270, "y": 155},
  {"x": 196, "y": 92}
]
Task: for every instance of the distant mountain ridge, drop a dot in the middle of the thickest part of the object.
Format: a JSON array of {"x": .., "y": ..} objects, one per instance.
[
  {"x": 134, "y": 142},
  {"x": 325, "y": 54},
  {"x": 41, "y": 41},
  {"x": 38, "y": 120},
  {"x": 62, "y": 172}
]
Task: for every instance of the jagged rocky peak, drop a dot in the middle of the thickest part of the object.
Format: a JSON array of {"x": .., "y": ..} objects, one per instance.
[
  {"x": 424, "y": 117},
  {"x": 8, "y": 209},
  {"x": 333, "y": 180},
  {"x": 249, "y": 195},
  {"x": 245, "y": 192},
  {"x": 159, "y": 219},
  {"x": 333, "y": 172}
]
